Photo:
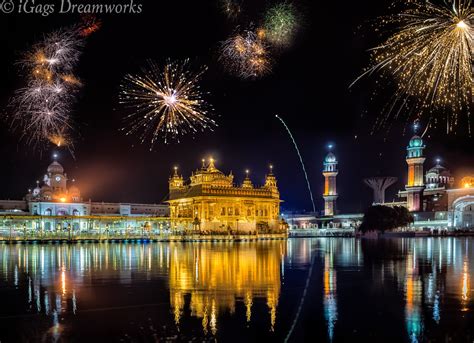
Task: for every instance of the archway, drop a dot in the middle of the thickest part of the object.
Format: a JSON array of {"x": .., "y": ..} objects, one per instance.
[{"x": 463, "y": 212}]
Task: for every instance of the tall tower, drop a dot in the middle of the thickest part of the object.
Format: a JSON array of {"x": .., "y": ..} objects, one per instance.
[
  {"x": 330, "y": 193},
  {"x": 415, "y": 185}
]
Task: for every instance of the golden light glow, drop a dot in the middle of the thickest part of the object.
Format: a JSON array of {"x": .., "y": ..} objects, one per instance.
[
  {"x": 467, "y": 181},
  {"x": 216, "y": 279},
  {"x": 212, "y": 203},
  {"x": 63, "y": 199},
  {"x": 462, "y": 25}
]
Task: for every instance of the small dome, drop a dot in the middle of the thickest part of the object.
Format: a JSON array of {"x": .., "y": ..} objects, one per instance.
[
  {"x": 437, "y": 169},
  {"x": 330, "y": 158},
  {"x": 55, "y": 168},
  {"x": 416, "y": 142}
]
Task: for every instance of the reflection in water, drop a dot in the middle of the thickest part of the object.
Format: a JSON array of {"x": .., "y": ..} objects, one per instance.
[
  {"x": 413, "y": 294},
  {"x": 466, "y": 285},
  {"x": 223, "y": 289},
  {"x": 330, "y": 297},
  {"x": 216, "y": 276}
]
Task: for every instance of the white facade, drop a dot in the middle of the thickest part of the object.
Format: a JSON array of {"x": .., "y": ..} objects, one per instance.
[{"x": 58, "y": 196}]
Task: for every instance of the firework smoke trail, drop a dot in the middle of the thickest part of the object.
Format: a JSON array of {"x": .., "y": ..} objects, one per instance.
[
  {"x": 165, "y": 103},
  {"x": 429, "y": 60},
  {"x": 301, "y": 160}
]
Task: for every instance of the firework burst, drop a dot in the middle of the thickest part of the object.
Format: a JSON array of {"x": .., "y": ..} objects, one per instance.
[
  {"x": 231, "y": 8},
  {"x": 429, "y": 60},
  {"x": 60, "y": 139},
  {"x": 246, "y": 55},
  {"x": 42, "y": 108},
  {"x": 166, "y": 103},
  {"x": 281, "y": 24}
]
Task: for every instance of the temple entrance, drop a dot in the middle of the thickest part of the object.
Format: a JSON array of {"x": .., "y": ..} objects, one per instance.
[{"x": 463, "y": 213}]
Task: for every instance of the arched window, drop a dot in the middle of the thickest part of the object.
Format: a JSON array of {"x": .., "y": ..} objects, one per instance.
[{"x": 48, "y": 212}]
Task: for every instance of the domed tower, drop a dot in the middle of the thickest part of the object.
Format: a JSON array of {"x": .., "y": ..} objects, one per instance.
[
  {"x": 176, "y": 181},
  {"x": 439, "y": 177},
  {"x": 415, "y": 184},
  {"x": 271, "y": 183},
  {"x": 330, "y": 192},
  {"x": 247, "y": 182}
]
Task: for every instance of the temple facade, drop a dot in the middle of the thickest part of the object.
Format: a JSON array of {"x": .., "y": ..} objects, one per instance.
[{"x": 211, "y": 202}]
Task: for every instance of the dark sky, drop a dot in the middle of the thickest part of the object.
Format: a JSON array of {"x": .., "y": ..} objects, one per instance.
[{"x": 308, "y": 88}]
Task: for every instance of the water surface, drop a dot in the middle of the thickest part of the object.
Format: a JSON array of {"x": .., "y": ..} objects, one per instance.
[{"x": 320, "y": 289}]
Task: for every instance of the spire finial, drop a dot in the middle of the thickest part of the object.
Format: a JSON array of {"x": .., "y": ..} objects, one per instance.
[
  {"x": 211, "y": 164},
  {"x": 203, "y": 163}
]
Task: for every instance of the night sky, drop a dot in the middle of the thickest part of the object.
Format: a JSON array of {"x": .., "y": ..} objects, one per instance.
[{"x": 308, "y": 88}]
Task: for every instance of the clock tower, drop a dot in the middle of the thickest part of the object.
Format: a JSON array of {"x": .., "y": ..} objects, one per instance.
[{"x": 56, "y": 178}]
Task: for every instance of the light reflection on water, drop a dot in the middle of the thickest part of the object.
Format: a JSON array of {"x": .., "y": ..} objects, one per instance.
[{"x": 397, "y": 290}]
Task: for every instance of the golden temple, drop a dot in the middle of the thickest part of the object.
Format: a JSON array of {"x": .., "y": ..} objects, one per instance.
[{"x": 211, "y": 203}]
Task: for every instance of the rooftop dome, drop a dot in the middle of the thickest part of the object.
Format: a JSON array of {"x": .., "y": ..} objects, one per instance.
[
  {"x": 55, "y": 168},
  {"x": 437, "y": 169},
  {"x": 330, "y": 158},
  {"x": 416, "y": 142}
]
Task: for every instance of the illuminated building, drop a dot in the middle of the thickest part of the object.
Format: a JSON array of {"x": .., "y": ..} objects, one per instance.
[
  {"x": 210, "y": 202},
  {"x": 59, "y": 196},
  {"x": 435, "y": 198},
  {"x": 330, "y": 192}
]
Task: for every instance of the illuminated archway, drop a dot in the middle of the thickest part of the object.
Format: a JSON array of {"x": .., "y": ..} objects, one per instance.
[{"x": 463, "y": 212}]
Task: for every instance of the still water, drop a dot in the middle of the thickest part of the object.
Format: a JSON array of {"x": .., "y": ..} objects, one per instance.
[{"x": 320, "y": 289}]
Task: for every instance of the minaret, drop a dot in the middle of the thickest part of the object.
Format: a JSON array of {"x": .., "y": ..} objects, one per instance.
[
  {"x": 415, "y": 184},
  {"x": 330, "y": 193}
]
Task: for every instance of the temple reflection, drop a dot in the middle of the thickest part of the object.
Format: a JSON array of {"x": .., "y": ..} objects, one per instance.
[
  {"x": 217, "y": 276},
  {"x": 427, "y": 282}
]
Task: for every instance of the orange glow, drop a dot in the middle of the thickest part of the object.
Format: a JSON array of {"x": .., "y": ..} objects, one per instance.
[
  {"x": 411, "y": 175},
  {"x": 467, "y": 181},
  {"x": 63, "y": 199}
]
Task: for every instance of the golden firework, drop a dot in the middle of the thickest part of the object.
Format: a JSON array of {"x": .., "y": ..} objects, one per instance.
[
  {"x": 429, "y": 59},
  {"x": 167, "y": 103}
]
